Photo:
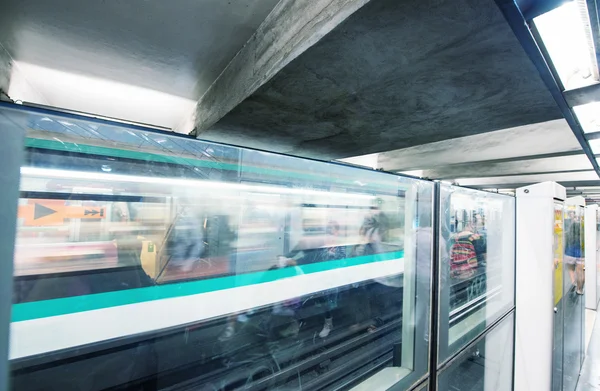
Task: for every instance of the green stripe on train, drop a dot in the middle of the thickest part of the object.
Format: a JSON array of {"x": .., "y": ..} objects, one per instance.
[
  {"x": 68, "y": 305},
  {"x": 147, "y": 156}
]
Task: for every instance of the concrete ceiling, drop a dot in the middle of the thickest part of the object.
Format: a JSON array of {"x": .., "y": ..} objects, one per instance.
[
  {"x": 440, "y": 88},
  {"x": 176, "y": 47},
  {"x": 535, "y": 149},
  {"x": 395, "y": 74},
  {"x": 504, "y": 159},
  {"x": 125, "y": 59}
]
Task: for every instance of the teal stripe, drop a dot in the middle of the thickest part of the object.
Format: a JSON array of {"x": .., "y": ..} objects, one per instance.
[
  {"x": 69, "y": 305},
  {"x": 146, "y": 156}
]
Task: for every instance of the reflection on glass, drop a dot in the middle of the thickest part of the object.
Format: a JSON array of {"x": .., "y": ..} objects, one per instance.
[
  {"x": 477, "y": 263},
  {"x": 216, "y": 269},
  {"x": 572, "y": 303},
  {"x": 558, "y": 332},
  {"x": 574, "y": 248},
  {"x": 598, "y": 257},
  {"x": 487, "y": 365}
]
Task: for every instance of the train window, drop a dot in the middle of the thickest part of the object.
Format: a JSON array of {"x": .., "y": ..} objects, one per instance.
[
  {"x": 477, "y": 264},
  {"x": 171, "y": 263}
]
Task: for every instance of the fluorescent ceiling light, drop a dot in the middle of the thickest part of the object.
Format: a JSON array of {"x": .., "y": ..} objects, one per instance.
[
  {"x": 370, "y": 161},
  {"x": 416, "y": 173},
  {"x": 595, "y": 145},
  {"x": 589, "y": 116},
  {"x": 566, "y": 34},
  {"x": 51, "y": 87}
]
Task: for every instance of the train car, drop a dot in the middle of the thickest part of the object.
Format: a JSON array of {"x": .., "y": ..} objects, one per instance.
[{"x": 150, "y": 261}]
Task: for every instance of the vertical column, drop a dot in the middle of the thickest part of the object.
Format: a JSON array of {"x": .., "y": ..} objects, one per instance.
[
  {"x": 11, "y": 157},
  {"x": 534, "y": 285},
  {"x": 591, "y": 246},
  {"x": 409, "y": 280}
]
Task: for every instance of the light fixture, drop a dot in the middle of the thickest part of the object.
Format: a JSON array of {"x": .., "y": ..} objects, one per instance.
[
  {"x": 589, "y": 116},
  {"x": 595, "y": 145},
  {"x": 566, "y": 34},
  {"x": 415, "y": 173},
  {"x": 371, "y": 161}
]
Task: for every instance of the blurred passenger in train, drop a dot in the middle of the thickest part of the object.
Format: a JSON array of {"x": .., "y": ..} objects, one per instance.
[
  {"x": 373, "y": 297},
  {"x": 309, "y": 248},
  {"x": 333, "y": 251},
  {"x": 574, "y": 253},
  {"x": 283, "y": 321},
  {"x": 374, "y": 230},
  {"x": 128, "y": 240},
  {"x": 185, "y": 244}
]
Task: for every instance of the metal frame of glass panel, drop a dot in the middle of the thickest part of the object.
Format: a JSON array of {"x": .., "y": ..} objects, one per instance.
[
  {"x": 591, "y": 257},
  {"x": 573, "y": 306},
  {"x": 11, "y": 150},
  {"x": 459, "y": 236}
]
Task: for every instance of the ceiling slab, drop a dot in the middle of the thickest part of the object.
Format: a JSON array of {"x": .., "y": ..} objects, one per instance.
[
  {"x": 525, "y": 166},
  {"x": 523, "y": 180},
  {"x": 395, "y": 75},
  {"x": 5, "y": 67},
  {"x": 291, "y": 28},
  {"x": 583, "y": 95},
  {"x": 175, "y": 47},
  {"x": 552, "y": 137}
]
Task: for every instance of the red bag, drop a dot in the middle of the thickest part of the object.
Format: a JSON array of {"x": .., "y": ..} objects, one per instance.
[{"x": 463, "y": 258}]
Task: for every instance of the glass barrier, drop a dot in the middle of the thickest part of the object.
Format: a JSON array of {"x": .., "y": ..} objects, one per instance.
[
  {"x": 487, "y": 365},
  {"x": 477, "y": 264},
  {"x": 572, "y": 308},
  {"x": 558, "y": 329},
  {"x": 150, "y": 261},
  {"x": 598, "y": 258}
]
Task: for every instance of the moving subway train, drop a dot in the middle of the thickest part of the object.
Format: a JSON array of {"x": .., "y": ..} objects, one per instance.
[
  {"x": 148, "y": 261},
  {"x": 145, "y": 261}
]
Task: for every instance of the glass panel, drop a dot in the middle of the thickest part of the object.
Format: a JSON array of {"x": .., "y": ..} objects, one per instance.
[
  {"x": 572, "y": 301},
  {"x": 558, "y": 331},
  {"x": 169, "y": 262},
  {"x": 477, "y": 261},
  {"x": 487, "y": 365},
  {"x": 598, "y": 258}
]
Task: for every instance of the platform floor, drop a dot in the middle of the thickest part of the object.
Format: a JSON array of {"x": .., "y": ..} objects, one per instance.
[{"x": 589, "y": 379}]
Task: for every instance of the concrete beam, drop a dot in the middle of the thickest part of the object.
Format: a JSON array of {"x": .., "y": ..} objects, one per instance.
[
  {"x": 583, "y": 95},
  {"x": 5, "y": 70},
  {"x": 291, "y": 28},
  {"x": 545, "y": 138},
  {"x": 589, "y": 177},
  {"x": 526, "y": 165}
]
